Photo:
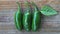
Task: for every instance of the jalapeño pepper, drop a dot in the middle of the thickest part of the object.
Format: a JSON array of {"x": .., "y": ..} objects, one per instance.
[
  {"x": 36, "y": 17},
  {"x": 27, "y": 17},
  {"x": 18, "y": 17}
]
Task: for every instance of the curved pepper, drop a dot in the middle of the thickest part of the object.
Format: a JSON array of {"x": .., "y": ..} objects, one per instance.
[
  {"x": 18, "y": 18},
  {"x": 36, "y": 18},
  {"x": 27, "y": 18}
]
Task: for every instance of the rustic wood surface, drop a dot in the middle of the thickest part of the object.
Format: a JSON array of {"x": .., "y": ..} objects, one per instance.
[{"x": 50, "y": 24}]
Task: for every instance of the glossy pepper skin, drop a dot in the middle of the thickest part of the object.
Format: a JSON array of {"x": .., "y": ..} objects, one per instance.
[
  {"x": 18, "y": 18},
  {"x": 36, "y": 18},
  {"x": 27, "y": 18}
]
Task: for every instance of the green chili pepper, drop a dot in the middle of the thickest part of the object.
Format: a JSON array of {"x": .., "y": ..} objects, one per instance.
[
  {"x": 36, "y": 17},
  {"x": 27, "y": 18},
  {"x": 18, "y": 18}
]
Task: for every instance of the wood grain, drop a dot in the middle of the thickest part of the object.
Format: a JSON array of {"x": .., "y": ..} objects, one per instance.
[{"x": 9, "y": 7}]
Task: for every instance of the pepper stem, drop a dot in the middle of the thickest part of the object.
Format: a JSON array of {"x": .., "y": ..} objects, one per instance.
[{"x": 18, "y": 5}]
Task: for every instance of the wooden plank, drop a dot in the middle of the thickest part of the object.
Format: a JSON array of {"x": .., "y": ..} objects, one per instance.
[{"x": 9, "y": 7}]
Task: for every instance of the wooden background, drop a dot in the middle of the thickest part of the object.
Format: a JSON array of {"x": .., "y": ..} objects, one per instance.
[{"x": 50, "y": 24}]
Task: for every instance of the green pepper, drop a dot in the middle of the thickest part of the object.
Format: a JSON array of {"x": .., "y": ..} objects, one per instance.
[
  {"x": 36, "y": 17},
  {"x": 18, "y": 18},
  {"x": 27, "y": 17}
]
